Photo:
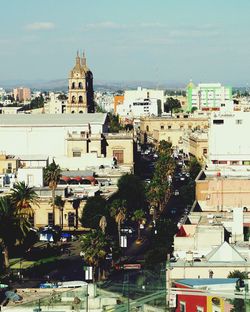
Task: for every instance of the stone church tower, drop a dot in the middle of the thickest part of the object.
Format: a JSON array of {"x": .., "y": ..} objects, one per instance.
[{"x": 81, "y": 93}]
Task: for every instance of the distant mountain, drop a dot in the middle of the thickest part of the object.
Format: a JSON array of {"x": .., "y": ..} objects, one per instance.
[{"x": 62, "y": 84}]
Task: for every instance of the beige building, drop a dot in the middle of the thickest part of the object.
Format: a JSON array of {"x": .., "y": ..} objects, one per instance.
[
  {"x": 21, "y": 94},
  {"x": 8, "y": 164},
  {"x": 196, "y": 144},
  {"x": 172, "y": 129},
  {"x": 216, "y": 191},
  {"x": 81, "y": 94}
]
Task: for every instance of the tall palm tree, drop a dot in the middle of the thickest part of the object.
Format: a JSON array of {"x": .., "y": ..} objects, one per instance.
[
  {"x": 23, "y": 197},
  {"x": 139, "y": 217},
  {"x": 59, "y": 203},
  {"x": 118, "y": 211},
  {"x": 14, "y": 226},
  {"x": 95, "y": 246},
  {"x": 52, "y": 176}
]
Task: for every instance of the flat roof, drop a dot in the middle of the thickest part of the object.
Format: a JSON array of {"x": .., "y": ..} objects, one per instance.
[
  {"x": 206, "y": 281},
  {"x": 52, "y": 119}
]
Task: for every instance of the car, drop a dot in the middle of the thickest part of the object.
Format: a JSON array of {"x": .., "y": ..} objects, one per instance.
[
  {"x": 147, "y": 181},
  {"x": 176, "y": 193},
  {"x": 127, "y": 230}
]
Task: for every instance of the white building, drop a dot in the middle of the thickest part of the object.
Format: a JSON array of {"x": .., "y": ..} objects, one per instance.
[
  {"x": 105, "y": 100},
  {"x": 25, "y": 134},
  {"x": 141, "y": 102},
  {"x": 228, "y": 143},
  {"x": 209, "y": 96},
  {"x": 54, "y": 105}
]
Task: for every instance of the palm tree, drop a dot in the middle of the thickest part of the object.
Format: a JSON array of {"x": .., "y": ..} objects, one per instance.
[
  {"x": 95, "y": 246},
  {"x": 139, "y": 217},
  {"x": 23, "y": 197},
  {"x": 59, "y": 203},
  {"x": 14, "y": 226},
  {"x": 52, "y": 176},
  {"x": 118, "y": 211}
]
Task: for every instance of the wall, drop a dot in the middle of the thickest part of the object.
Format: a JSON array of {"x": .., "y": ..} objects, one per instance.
[
  {"x": 120, "y": 143},
  {"x": 191, "y": 301},
  {"x": 31, "y": 176},
  {"x": 220, "y": 193}
]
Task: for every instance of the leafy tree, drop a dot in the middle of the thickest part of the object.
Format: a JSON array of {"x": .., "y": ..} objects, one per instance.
[
  {"x": 118, "y": 211},
  {"x": 139, "y": 217},
  {"x": 187, "y": 193},
  {"x": 160, "y": 188},
  {"x": 131, "y": 189},
  {"x": 62, "y": 97},
  {"x": 93, "y": 211},
  {"x": 52, "y": 175},
  {"x": 238, "y": 274},
  {"x": 171, "y": 104},
  {"x": 22, "y": 197},
  {"x": 194, "y": 168},
  {"x": 14, "y": 226},
  {"x": 114, "y": 123},
  {"x": 95, "y": 246},
  {"x": 193, "y": 109}
]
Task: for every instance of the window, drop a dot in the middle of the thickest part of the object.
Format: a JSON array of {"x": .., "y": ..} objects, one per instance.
[
  {"x": 147, "y": 128},
  {"x": 162, "y": 127},
  {"x": 182, "y": 306},
  {"x": 204, "y": 151},
  {"x": 234, "y": 162},
  {"x": 9, "y": 168},
  {"x": 118, "y": 154},
  {"x": 71, "y": 219},
  {"x": 50, "y": 219},
  {"x": 218, "y": 121},
  {"x": 238, "y": 121},
  {"x": 76, "y": 154},
  {"x": 169, "y": 127}
]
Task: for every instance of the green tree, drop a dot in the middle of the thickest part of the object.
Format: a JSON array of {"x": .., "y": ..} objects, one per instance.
[
  {"x": 93, "y": 211},
  {"x": 171, "y": 105},
  {"x": 139, "y": 217},
  {"x": 14, "y": 226},
  {"x": 23, "y": 197},
  {"x": 160, "y": 188},
  {"x": 52, "y": 175},
  {"x": 114, "y": 123},
  {"x": 118, "y": 212},
  {"x": 194, "y": 168},
  {"x": 59, "y": 203},
  {"x": 238, "y": 274},
  {"x": 131, "y": 189},
  {"x": 95, "y": 246}
]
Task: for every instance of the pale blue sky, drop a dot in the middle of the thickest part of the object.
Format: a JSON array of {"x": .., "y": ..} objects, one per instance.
[{"x": 152, "y": 40}]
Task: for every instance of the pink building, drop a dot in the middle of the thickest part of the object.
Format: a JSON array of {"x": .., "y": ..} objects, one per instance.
[{"x": 22, "y": 94}]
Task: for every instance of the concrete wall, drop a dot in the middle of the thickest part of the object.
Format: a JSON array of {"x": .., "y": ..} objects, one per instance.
[{"x": 31, "y": 176}]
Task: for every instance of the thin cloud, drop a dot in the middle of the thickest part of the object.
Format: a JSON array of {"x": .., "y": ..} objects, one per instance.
[
  {"x": 40, "y": 26},
  {"x": 106, "y": 25}
]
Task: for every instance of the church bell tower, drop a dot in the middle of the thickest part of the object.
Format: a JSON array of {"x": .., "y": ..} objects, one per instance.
[{"x": 80, "y": 85}]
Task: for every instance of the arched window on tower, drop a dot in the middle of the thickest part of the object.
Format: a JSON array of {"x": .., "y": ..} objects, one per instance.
[
  {"x": 80, "y": 85},
  {"x": 73, "y": 85},
  {"x": 80, "y": 99},
  {"x": 73, "y": 100}
]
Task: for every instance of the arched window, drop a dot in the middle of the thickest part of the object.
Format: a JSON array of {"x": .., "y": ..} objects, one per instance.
[
  {"x": 73, "y": 100},
  {"x": 80, "y": 112},
  {"x": 147, "y": 128},
  {"x": 72, "y": 112},
  {"x": 80, "y": 85},
  {"x": 80, "y": 99},
  {"x": 73, "y": 85}
]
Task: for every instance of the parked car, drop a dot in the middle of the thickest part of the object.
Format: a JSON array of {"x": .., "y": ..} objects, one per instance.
[
  {"x": 127, "y": 230},
  {"x": 176, "y": 193}
]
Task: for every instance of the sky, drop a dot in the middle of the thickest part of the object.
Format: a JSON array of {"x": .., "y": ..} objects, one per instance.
[{"x": 134, "y": 40}]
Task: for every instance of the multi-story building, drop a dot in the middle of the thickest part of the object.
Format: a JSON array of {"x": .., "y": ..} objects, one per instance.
[
  {"x": 55, "y": 105},
  {"x": 228, "y": 144},
  {"x": 172, "y": 129},
  {"x": 21, "y": 94},
  {"x": 105, "y": 100},
  {"x": 141, "y": 102},
  {"x": 81, "y": 93},
  {"x": 209, "y": 96}
]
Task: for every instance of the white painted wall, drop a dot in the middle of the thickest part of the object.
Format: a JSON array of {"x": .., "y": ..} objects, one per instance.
[{"x": 31, "y": 176}]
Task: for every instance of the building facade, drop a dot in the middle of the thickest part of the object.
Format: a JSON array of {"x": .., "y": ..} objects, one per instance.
[
  {"x": 209, "y": 96},
  {"x": 21, "y": 94},
  {"x": 80, "y": 84}
]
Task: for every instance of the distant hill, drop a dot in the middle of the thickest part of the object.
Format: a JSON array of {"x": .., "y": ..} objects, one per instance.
[{"x": 62, "y": 84}]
